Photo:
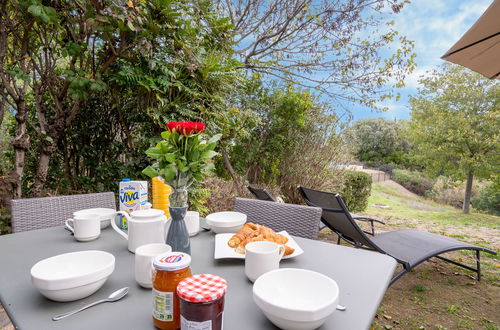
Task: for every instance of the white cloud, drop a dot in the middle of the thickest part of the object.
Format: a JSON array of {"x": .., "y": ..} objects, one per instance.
[
  {"x": 412, "y": 80},
  {"x": 436, "y": 25}
]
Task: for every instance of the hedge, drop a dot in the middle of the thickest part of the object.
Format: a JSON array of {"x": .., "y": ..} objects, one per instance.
[
  {"x": 356, "y": 190},
  {"x": 488, "y": 199},
  {"x": 414, "y": 181}
]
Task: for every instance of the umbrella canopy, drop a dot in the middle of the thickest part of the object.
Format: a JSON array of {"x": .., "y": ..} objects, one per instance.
[{"x": 479, "y": 47}]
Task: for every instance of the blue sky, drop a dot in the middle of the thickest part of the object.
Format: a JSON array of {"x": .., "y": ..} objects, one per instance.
[{"x": 434, "y": 26}]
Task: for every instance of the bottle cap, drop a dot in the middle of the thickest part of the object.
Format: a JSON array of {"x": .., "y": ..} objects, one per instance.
[
  {"x": 125, "y": 180},
  {"x": 172, "y": 261}
]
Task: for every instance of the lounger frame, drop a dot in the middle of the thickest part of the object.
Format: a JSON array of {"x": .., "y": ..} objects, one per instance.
[{"x": 339, "y": 220}]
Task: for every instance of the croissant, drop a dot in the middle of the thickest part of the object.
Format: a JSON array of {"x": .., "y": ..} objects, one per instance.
[
  {"x": 251, "y": 232},
  {"x": 246, "y": 231}
]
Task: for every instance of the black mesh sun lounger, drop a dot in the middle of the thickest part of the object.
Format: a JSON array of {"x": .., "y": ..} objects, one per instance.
[
  {"x": 261, "y": 194},
  {"x": 409, "y": 247},
  {"x": 264, "y": 195}
]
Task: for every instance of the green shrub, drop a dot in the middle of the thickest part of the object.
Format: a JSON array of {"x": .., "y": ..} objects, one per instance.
[
  {"x": 488, "y": 199},
  {"x": 198, "y": 199},
  {"x": 356, "y": 190},
  {"x": 448, "y": 191},
  {"x": 414, "y": 181}
]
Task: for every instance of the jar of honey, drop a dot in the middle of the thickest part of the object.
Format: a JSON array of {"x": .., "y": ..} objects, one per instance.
[
  {"x": 201, "y": 300},
  {"x": 169, "y": 269}
]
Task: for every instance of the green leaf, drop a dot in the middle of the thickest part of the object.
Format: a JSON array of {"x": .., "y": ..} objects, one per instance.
[
  {"x": 164, "y": 147},
  {"x": 211, "y": 146},
  {"x": 169, "y": 173},
  {"x": 165, "y": 135},
  {"x": 208, "y": 167},
  {"x": 181, "y": 166},
  {"x": 18, "y": 73},
  {"x": 208, "y": 154},
  {"x": 198, "y": 176},
  {"x": 214, "y": 138},
  {"x": 150, "y": 171},
  {"x": 46, "y": 14},
  {"x": 154, "y": 152},
  {"x": 195, "y": 155},
  {"x": 202, "y": 146},
  {"x": 170, "y": 157}
]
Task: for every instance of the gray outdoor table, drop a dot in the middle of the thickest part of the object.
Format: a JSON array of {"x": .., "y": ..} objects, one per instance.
[{"x": 362, "y": 276}]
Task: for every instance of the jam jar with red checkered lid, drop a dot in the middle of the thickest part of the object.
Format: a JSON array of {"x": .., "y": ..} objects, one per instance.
[{"x": 201, "y": 300}]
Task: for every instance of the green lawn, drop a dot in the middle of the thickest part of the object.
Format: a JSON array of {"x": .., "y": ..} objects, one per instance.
[
  {"x": 439, "y": 295},
  {"x": 408, "y": 206}
]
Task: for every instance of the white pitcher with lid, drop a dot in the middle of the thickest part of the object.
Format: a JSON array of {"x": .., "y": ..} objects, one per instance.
[{"x": 144, "y": 227}]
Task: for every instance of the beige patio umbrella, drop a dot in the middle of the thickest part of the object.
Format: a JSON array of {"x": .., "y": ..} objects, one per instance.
[{"x": 479, "y": 47}]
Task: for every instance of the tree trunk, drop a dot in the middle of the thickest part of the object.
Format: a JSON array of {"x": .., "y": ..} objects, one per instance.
[
  {"x": 20, "y": 143},
  {"x": 230, "y": 168},
  {"x": 2, "y": 109},
  {"x": 468, "y": 192},
  {"x": 43, "y": 168},
  {"x": 18, "y": 172}
]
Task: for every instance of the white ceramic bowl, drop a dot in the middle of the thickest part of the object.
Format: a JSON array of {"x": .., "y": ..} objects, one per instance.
[
  {"x": 106, "y": 215},
  {"x": 226, "y": 222},
  {"x": 72, "y": 276},
  {"x": 296, "y": 299}
]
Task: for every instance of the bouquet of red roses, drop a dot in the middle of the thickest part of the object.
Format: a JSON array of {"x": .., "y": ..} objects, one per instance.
[{"x": 182, "y": 156}]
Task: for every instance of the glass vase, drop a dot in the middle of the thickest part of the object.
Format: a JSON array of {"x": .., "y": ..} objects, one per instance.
[
  {"x": 178, "y": 197},
  {"x": 178, "y": 235}
]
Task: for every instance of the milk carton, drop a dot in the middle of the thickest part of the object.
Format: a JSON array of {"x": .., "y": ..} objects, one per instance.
[{"x": 133, "y": 196}]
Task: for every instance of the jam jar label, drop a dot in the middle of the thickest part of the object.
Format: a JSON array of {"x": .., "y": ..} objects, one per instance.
[
  {"x": 163, "y": 305},
  {"x": 192, "y": 325}
]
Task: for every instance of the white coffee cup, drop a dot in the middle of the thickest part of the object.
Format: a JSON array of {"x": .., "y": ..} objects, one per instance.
[
  {"x": 262, "y": 257},
  {"x": 144, "y": 256},
  {"x": 192, "y": 220},
  {"x": 86, "y": 227}
]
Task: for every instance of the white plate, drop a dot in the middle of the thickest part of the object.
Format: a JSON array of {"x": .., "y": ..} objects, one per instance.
[{"x": 223, "y": 251}]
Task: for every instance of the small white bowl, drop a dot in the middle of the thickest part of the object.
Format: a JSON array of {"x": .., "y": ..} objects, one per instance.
[
  {"x": 106, "y": 215},
  {"x": 226, "y": 222},
  {"x": 296, "y": 299},
  {"x": 72, "y": 276}
]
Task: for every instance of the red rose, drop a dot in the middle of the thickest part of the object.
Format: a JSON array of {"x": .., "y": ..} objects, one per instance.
[
  {"x": 179, "y": 127},
  {"x": 171, "y": 125},
  {"x": 200, "y": 127},
  {"x": 188, "y": 127}
]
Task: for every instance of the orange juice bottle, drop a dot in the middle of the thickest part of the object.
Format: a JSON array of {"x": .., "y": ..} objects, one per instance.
[{"x": 161, "y": 191}]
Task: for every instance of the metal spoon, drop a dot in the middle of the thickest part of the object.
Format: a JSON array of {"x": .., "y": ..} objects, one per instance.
[
  {"x": 341, "y": 307},
  {"x": 117, "y": 295}
]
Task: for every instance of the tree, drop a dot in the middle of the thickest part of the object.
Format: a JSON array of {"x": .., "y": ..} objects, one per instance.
[
  {"x": 57, "y": 52},
  {"x": 291, "y": 140},
  {"x": 455, "y": 125},
  {"x": 56, "y": 55},
  {"x": 14, "y": 76},
  {"x": 378, "y": 139},
  {"x": 323, "y": 45}
]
